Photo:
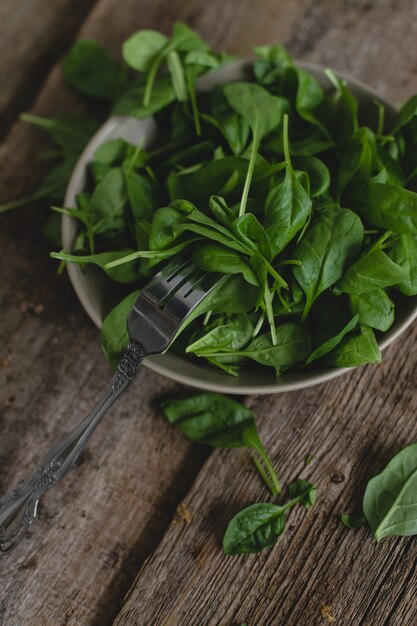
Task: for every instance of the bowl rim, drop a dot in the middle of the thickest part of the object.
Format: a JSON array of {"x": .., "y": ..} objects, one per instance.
[{"x": 156, "y": 362}]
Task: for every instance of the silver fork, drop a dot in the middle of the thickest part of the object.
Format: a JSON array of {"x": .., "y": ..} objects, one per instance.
[{"x": 157, "y": 314}]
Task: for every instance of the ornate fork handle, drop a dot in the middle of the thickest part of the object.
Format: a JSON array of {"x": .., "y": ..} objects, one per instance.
[{"x": 18, "y": 508}]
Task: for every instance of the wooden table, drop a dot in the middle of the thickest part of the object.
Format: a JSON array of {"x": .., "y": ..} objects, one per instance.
[{"x": 113, "y": 544}]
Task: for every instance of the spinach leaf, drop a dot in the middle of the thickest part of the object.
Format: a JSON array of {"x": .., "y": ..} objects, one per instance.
[
  {"x": 288, "y": 205},
  {"x": 306, "y": 490},
  {"x": 162, "y": 234},
  {"x": 114, "y": 335},
  {"x": 374, "y": 270},
  {"x": 355, "y": 350},
  {"x": 263, "y": 113},
  {"x": 356, "y": 161},
  {"x": 108, "y": 202},
  {"x": 141, "y": 49},
  {"x": 407, "y": 114},
  {"x": 214, "y": 258},
  {"x": 218, "y": 421},
  {"x": 293, "y": 345},
  {"x": 318, "y": 174},
  {"x": 389, "y": 502},
  {"x": 259, "y": 526},
  {"x": 373, "y": 308},
  {"x": 272, "y": 64},
  {"x": 126, "y": 273},
  {"x": 176, "y": 71},
  {"x": 89, "y": 68},
  {"x": 226, "y": 333},
  {"x": 344, "y": 110},
  {"x": 331, "y": 343},
  {"x": 222, "y": 177},
  {"x": 256, "y": 527},
  {"x": 332, "y": 241},
  {"x": 404, "y": 254},
  {"x": 131, "y": 102},
  {"x": 142, "y": 194},
  {"x": 308, "y": 98},
  {"x": 387, "y": 206},
  {"x": 233, "y": 126},
  {"x": 248, "y": 229}
]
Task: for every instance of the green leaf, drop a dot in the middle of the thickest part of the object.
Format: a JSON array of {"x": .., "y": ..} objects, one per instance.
[
  {"x": 293, "y": 345},
  {"x": 226, "y": 333},
  {"x": 233, "y": 126},
  {"x": 260, "y": 525},
  {"x": 306, "y": 490},
  {"x": 142, "y": 193},
  {"x": 255, "y": 104},
  {"x": 111, "y": 151},
  {"x": 248, "y": 229},
  {"x": 390, "y": 503},
  {"x": 185, "y": 39},
  {"x": 108, "y": 202},
  {"x": 345, "y": 110},
  {"x": 330, "y": 243},
  {"x": 317, "y": 172},
  {"x": 354, "y": 351},
  {"x": 407, "y": 113},
  {"x": 131, "y": 102},
  {"x": 212, "y": 419},
  {"x": 114, "y": 335},
  {"x": 287, "y": 209},
  {"x": 404, "y": 254},
  {"x": 254, "y": 528},
  {"x": 126, "y": 273},
  {"x": 388, "y": 207},
  {"x": 214, "y": 258},
  {"x": 177, "y": 76},
  {"x": 141, "y": 49},
  {"x": 331, "y": 343},
  {"x": 89, "y": 68},
  {"x": 222, "y": 177},
  {"x": 272, "y": 65},
  {"x": 374, "y": 270},
  {"x": 263, "y": 113},
  {"x": 162, "y": 233},
  {"x": 70, "y": 134},
  {"x": 219, "y": 421},
  {"x": 374, "y": 309}
]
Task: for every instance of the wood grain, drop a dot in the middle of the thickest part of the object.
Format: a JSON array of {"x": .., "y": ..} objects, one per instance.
[
  {"x": 98, "y": 527},
  {"x": 353, "y": 426},
  {"x": 113, "y": 510},
  {"x": 33, "y": 33}
]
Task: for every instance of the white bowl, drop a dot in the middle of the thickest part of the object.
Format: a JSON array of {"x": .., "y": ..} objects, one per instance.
[{"x": 98, "y": 294}]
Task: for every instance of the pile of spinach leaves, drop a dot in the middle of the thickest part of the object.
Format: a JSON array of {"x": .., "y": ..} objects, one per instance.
[{"x": 272, "y": 182}]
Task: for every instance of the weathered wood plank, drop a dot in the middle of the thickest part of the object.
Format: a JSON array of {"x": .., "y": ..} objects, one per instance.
[
  {"x": 99, "y": 525},
  {"x": 33, "y": 33},
  {"x": 353, "y": 426}
]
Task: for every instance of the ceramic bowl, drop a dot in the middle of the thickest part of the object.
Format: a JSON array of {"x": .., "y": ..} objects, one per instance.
[{"x": 98, "y": 294}]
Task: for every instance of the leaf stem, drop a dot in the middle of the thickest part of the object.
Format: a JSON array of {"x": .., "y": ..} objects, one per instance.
[
  {"x": 291, "y": 503},
  {"x": 259, "y": 325},
  {"x": 153, "y": 70},
  {"x": 249, "y": 174},
  {"x": 287, "y": 156},
  {"x": 279, "y": 280},
  {"x": 270, "y": 477},
  {"x": 193, "y": 100},
  {"x": 270, "y": 313}
]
